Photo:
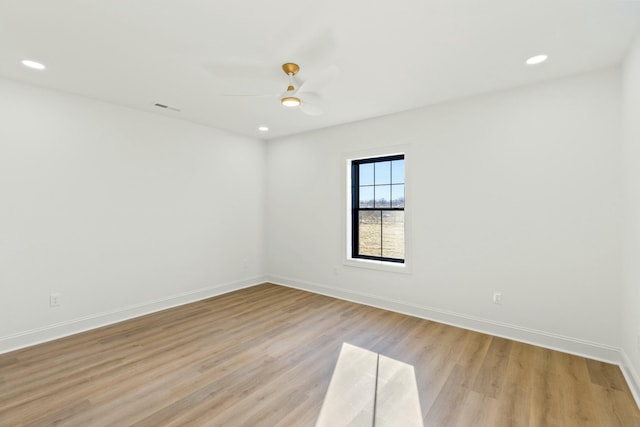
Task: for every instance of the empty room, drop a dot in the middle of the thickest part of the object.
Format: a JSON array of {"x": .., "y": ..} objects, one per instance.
[{"x": 244, "y": 213}]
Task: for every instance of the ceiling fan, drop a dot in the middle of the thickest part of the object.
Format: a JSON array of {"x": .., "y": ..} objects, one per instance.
[
  {"x": 300, "y": 97},
  {"x": 303, "y": 95},
  {"x": 253, "y": 75}
]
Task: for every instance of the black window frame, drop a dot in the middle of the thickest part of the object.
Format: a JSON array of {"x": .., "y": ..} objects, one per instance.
[{"x": 356, "y": 209}]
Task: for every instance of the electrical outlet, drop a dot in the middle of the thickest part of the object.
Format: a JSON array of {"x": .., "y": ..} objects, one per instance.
[
  {"x": 497, "y": 297},
  {"x": 54, "y": 299}
]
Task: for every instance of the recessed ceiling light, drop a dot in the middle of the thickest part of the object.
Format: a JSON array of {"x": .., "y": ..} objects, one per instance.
[
  {"x": 263, "y": 129},
  {"x": 33, "y": 64},
  {"x": 536, "y": 59}
]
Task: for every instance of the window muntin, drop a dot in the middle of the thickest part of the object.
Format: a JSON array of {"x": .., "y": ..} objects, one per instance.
[{"x": 377, "y": 208}]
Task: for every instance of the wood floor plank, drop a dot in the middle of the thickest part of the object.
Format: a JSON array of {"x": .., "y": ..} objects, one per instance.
[
  {"x": 436, "y": 362},
  {"x": 514, "y": 400},
  {"x": 612, "y": 407},
  {"x": 491, "y": 374},
  {"x": 265, "y": 356},
  {"x": 452, "y": 395},
  {"x": 606, "y": 375},
  {"x": 547, "y": 400},
  {"x": 479, "y": 410}
]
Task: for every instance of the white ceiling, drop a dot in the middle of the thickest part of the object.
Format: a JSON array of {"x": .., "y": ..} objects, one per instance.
[{"x": 392, "y": 56}]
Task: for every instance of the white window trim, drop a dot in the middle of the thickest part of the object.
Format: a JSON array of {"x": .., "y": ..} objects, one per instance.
[{"x": 347, "y": 259}]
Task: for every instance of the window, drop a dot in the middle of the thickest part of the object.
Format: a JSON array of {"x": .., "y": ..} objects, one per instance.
[{"x": 377, "y": 209}]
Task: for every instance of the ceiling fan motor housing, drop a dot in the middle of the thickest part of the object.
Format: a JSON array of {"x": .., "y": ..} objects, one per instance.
[{"x": 290, "y": 68}]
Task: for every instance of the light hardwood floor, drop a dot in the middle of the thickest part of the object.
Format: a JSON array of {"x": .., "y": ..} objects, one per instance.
[{"x": 264, "y": 356}]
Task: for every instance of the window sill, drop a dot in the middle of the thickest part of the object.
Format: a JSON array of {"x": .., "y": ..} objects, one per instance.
[{"x": 392, "y": 267}]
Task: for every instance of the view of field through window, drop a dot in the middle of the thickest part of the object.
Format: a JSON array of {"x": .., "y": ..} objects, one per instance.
[
  {"x": 380, "y": 210},
  {"x": 382, "y": 234}
]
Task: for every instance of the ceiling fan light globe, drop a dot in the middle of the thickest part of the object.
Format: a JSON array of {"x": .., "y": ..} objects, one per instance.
[{"x": 290, "y": 101}]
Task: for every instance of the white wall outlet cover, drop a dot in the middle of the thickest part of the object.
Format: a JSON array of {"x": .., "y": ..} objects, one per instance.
[
  {"x": 54, "y": 299},
  {"x": 497, "y": 297}
]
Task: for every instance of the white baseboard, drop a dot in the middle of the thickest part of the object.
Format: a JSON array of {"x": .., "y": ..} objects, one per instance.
[
  {"x": 51, "y": 332},
  {"x": 632, "y": 377},
  {"x": 549, "y": 340}
]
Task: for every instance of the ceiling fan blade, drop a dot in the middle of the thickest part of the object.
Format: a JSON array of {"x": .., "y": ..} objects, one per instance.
[
  {"x": 311, "y": 97},
  {"x": 314, "y": 51},
  {"x": 240, "y": 68},
  {"x": 250, "y": 95},
  {"x": 249, "y": 77},
  {"x": 311, "y": 109},
  {"x": 311, "y": 104},
  {"x": 320, "y": 80}
]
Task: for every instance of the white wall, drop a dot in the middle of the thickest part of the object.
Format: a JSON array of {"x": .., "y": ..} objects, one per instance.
[
  {"x": 125, "y": 212},
  {"x": 120, "y": 211},
  {"x": 631, "y": 151},
  {"x": 517, "y": 191}
]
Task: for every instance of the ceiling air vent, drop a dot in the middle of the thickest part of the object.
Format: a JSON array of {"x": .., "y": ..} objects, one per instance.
[{"x": 167, "y": 107}]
